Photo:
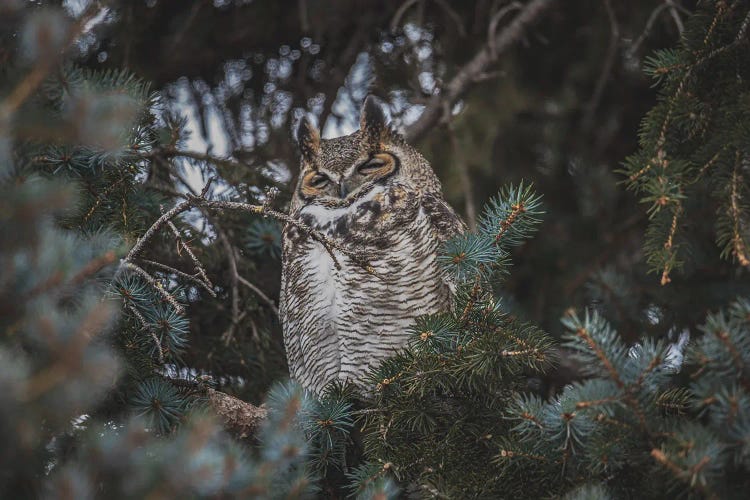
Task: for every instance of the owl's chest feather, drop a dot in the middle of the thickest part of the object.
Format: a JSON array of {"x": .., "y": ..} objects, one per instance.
[{"x": 387, "y": 228}]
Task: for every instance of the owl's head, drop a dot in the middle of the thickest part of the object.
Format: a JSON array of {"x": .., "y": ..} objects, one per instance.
[{"x": 334, "y": 172}]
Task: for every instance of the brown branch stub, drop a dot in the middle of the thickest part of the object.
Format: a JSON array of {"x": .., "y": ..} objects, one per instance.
[
  {"x": 739, "y": 248},
  {"x": 472, "y": 71},
  {"x": 586, "y": 336},
  {"x": 241, "y": 419}
]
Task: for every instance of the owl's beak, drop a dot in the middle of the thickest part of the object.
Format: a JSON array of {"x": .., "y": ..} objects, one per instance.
[{"x": 343, "y": 191}]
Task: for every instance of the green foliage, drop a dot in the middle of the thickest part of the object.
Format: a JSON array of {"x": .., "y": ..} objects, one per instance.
[
  {"x": 693, "y": 143},
  {"x": 103, "y": 363},
  {"x": 94, "y": 332},
  {"x": 635, "y": 423},
  {"x": 434, "y": 418}
]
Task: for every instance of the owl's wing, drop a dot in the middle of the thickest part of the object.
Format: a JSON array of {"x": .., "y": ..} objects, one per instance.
[
  {"x": 446, "y": 224},
  {"x": 444, "y": 219}
]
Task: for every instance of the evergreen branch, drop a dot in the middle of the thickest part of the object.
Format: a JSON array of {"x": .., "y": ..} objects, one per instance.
[
  {"x": 668, "y": 244},
  {"x": 653, "y": 364},
  {"x": 31, "y": 82},
  {"x": 155, "y": 285},
  {"x": 583, "y": 405},
  {"x": 684, "y": 475},
  {"x": 56, "y": 279},
  {"x": 700, "y": 61},
  {"x": 473, "y": 297},
  {"x": 710, "y": 163},
  {"x": 146, "y": 326},
  {"x": 516, "y": 210},
  {"x": 103, "y": 196},
  {"x": 585, "y": 335},
  {"x": 725, "y": 340}
]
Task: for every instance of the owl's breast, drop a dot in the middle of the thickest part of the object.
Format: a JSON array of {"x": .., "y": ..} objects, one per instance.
[
  {"x": 371, "y": 223},
  {"x": 362, "y": 316}
]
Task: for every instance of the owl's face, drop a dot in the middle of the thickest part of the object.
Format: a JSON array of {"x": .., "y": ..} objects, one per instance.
[{"x": 334, "y": 172}]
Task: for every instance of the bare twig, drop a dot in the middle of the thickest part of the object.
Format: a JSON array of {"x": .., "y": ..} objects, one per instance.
[
  {"x": 329, "y": 244},
  {"x": 497, "y": 17},
  {"x": 468, "y": 74},
  {"x": 234, "y": 276},
  {"x": 151, "y": 231},
  {"x": 181, "y": 274},
  {"x": 453, "y": 15},
  {"x": 673, "y": 11},
  {"x": 396, "y": 20},
  {"x": 463, "y": 174},
  {"x": 198, "y": 266},
  {"x": 647, "y": 30},
  {"x": 260, "y": 294},
  {"x": 609, "y": 61}
]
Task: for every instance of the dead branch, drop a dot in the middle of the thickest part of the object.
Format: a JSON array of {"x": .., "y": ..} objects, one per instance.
[
  {"x": 260, "y": 294},
  {"x": 181, "y": 274},
  {"x": 330, "y": 245},
  {"x": 609, "y": 62},
  {"x": 468, "y": 75},
  {"x": 198, "y": 266},
  {"x": 241, "y": 419},
  {"x": 463, "y": 174},
  {"x": 647, "y": 30}
]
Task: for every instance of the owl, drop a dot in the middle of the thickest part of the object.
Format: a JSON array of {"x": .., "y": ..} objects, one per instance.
[{"x": 375, "y": 196}]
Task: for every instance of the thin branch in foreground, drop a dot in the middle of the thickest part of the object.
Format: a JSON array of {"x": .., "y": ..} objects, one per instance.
[{"x": 329, "y": 244}]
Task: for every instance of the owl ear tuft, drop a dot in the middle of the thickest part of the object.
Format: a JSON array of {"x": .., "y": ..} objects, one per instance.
[
  {"x": 373, "y": 121},
  {"x": 308, "y": 139}
]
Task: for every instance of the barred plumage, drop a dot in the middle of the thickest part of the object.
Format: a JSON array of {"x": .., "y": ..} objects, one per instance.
[{"x": 378, "y": 197}]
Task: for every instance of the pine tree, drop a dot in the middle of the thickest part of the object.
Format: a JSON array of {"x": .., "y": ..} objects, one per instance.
[
  {"x": 693, "y": 143},
  {"x": 99, "y": 399}
]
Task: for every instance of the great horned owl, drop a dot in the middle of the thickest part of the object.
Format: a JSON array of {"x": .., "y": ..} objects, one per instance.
[{"x": 377, "y": 196}]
